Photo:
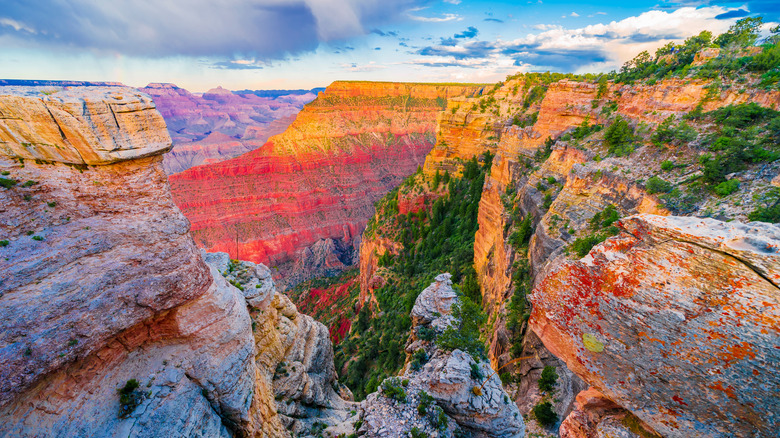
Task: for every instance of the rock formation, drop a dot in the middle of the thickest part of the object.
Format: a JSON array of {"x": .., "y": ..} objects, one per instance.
[
  {"x": 316, "y": 181},
  {"x": 448, "y": 391},
  {"x": 102, "y": 284},
  {"x": 672, "y": 319},
  {"x": 219, "y": 124},
  {"x": 112, "y": 324}
]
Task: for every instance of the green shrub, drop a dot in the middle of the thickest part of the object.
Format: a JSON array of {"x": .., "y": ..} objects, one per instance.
[
  {"x": 464, "y": 334},
  {"x": 129, "y": 398},
  {"x": 658, "y": 185},
  {"x": 727, "y": 187},
  {"x": 667, "y": 165},
  {"x": 441, "y": 421},
  {"x": 417, "y": 433},
  {"x": 425, "y": 401},
  {"x": 29, "y": 183},
  {"x": 670, "y": 133},
  {"x": 392, "y": 388},
  {"x": 768, "y": 209},
  {"x": 583, "y": 245},
  {"x": 4, "y": 243},
  {"x": 38, "y": 238},
  {"x": 476, "y": 373},
  {"x": 679, "y": 202},
  {"x": 545, "y": 414},
  {"x": 547, "y": 202},
  {"x": 426, "y": 333},
  {"x": 618, "y": 137},
  {"x": 7, "y": 183},
  {"x": 419, "y": 358},
  {"x": 548, "y": 379}
]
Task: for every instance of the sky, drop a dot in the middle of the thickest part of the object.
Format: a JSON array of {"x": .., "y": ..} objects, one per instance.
[{"x": 292, "y": 44}]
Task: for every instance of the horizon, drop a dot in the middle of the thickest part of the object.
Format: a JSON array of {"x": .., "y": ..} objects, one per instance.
[{"x": 250, "y": 47}]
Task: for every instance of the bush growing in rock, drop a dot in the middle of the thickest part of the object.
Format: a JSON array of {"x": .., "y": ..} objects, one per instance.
[
  {"x": 425, "y": 401},
  {"x": 658, "y": 185},
  {"x": 545, "y": 414},
  {"x": 419, "y": 358},
  {"x": 727, "y": 187},
  {"x": 129, "y": 398},
  {"x": 548, "y": 379},
  {"x": 392, "y": 388}
]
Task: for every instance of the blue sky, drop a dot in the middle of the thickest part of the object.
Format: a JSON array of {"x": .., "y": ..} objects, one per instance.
[{"x": 265, "y": 44}]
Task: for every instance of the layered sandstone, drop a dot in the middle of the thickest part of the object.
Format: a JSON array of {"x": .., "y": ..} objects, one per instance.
[
  {"x": 673, "y": 319},
  {"x": 317, "y": 180},
  {"x": 104, "y": 291},
  {"x": 220, "y": 124},
  {"x": 101, "y": 282}
]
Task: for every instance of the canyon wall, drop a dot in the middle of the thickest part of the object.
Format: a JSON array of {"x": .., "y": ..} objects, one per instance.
[
  {"x": 559, "y": 185},
  {"x": 220, "y": 124},
  {"x": 301, "y": 201}
]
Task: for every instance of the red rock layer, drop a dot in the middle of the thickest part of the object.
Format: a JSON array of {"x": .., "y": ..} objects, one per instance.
[{"x": 320, "y": 178}]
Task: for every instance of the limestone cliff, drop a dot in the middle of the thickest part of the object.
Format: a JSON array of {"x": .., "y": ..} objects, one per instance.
[
  {"x": 112, "y": 324},
  {"x": 102, "y": 283},
  {"x": 440, "y": 392},
  {"x": 316, "y": 181}
]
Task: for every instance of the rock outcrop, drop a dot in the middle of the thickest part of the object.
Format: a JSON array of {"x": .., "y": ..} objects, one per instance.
[
  {"x": 112, "y": 324},
  {"x": 444, "y": 392},
  {"x": 673, "y": 319},
  {"x": 220, "y": 124},
  {"x": 319, "y": 179},
  {"x": 101, "y": 283}
]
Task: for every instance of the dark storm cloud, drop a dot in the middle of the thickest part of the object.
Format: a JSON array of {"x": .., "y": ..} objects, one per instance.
[
  {"x": 471, "y": 32},
  {"x": 265, "y": 28},
  {"x": 230, "y": 65},
  {"x": 560, "y": 60}
]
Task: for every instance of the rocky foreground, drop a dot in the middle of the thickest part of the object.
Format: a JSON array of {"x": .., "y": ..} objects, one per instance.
[{"x": 115, "y": 324}]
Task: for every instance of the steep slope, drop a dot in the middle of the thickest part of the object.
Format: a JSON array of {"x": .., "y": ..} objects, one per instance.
[
  {"x": 301, "y": 201},
  {"x": 220, "y": 124}
]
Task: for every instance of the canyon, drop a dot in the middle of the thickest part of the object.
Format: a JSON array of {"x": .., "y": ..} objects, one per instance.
[
  {"x": 221, "y": 124},
  {"x": 300, "y": 202},
  {"x": 555, "y": 255}
]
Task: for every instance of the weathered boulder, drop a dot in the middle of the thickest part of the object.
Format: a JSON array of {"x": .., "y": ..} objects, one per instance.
[
  {"x": 463, "y": 392},
  {"x": 673, "y": 319}
]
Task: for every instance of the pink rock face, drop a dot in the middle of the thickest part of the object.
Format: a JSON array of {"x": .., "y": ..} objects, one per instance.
[
  {"x": 220, "y": 124},
  {"x": 675, "y": 319},
  {"x": 317, "y": 180}
]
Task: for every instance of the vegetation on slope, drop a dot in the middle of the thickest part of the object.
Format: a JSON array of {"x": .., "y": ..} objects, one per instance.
[
  {"x": 319, "y": 298},
  {"x": 438, "y": 238}
]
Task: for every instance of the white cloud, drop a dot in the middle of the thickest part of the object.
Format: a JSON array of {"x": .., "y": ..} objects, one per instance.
[
  {"x": 442, "y": 19},
  {"x": 574, "y": 14},
  {"x": 452, "y": 2}
]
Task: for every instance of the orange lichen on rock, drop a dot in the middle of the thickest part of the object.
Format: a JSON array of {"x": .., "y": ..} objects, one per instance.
[{"x": 640, "y": 292}]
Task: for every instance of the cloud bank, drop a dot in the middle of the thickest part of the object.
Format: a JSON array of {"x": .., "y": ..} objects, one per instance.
[{"x": 268, "y": 29}]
